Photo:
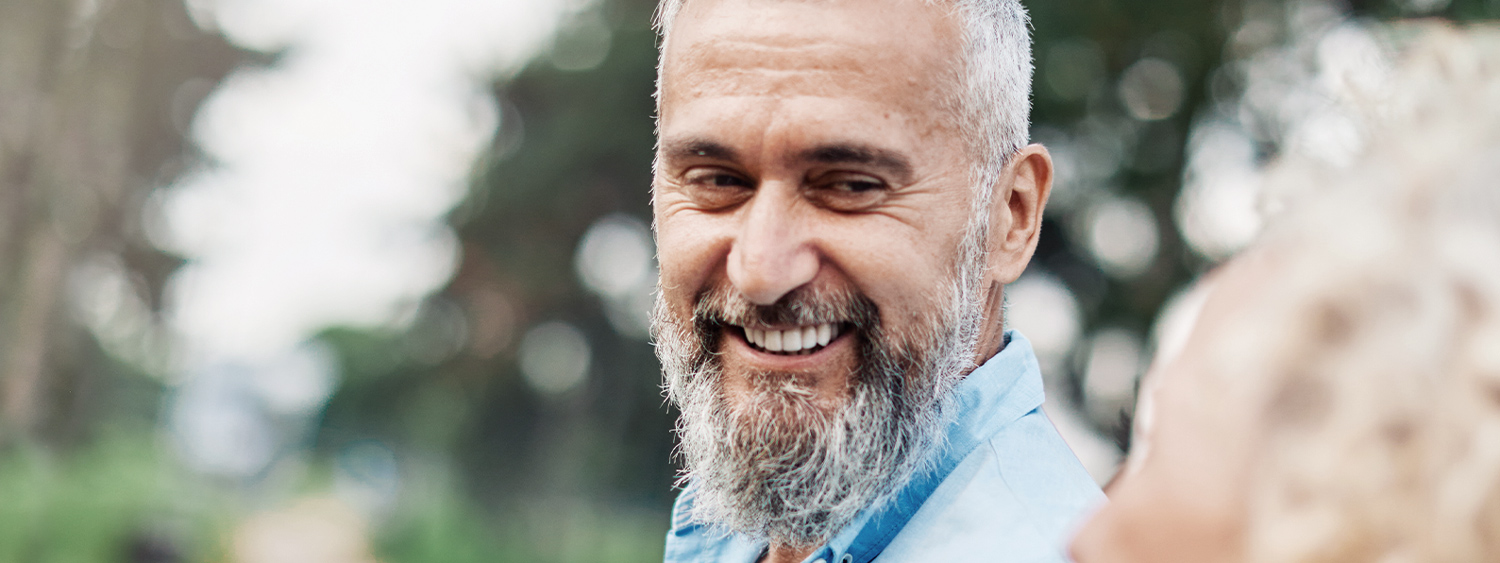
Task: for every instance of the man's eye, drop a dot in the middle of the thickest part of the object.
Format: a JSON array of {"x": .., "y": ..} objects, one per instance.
[
  {"x": 717, "y": 188},
  {"x": 716, "y": 179},
  {"x": 728, "y": 181},
  {"x": 856, "y": 185},
  {"x": 849, "y": 192}
]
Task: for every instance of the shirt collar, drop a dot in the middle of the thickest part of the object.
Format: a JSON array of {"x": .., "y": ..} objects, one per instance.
[{"x": 1002, "y": 390}]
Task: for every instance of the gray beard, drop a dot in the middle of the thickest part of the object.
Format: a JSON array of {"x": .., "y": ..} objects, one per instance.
[{"x": 782, "y": 468}]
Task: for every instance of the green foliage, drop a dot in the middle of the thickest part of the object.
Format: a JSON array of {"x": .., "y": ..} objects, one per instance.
[
  {"x": 445, "y": 527},
  {"x": 115, "y": 500},
  {"x": 444, "y": 530}
]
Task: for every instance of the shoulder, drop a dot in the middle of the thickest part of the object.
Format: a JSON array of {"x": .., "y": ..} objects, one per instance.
[
  {"x": 1015, "y": 498},
  {"x": 1043, "y": 472}
]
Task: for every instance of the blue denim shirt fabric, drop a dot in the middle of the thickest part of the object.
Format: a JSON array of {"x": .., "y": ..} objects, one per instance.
[{"x": 1005, "y": 488}]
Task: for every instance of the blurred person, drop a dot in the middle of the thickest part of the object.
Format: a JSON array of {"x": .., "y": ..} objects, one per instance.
[
  {"x": 842, "y": 189},
  {"x": 1339, "y": 397}
]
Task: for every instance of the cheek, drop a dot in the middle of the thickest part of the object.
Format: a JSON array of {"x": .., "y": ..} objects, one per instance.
[
  {"x": 689, "y": 254},
  {"x": 1099, "y": 541},
  {"x": 1132, "y": 529},
  {"x": 904, "y": 272},
  {"x": 1160, "y": 518}
]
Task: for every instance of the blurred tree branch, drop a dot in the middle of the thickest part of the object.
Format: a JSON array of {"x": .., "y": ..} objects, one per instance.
[{"x": 87, "y": 130}]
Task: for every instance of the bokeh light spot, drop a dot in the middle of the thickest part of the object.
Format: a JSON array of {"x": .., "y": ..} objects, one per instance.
[
  {"x": 1042, "y": 307},
  {"x": 554, "y": 357},
  {"x": 1152, "y": 89},
  {"x": 616, "y": 261},
  {"x": 1122, "y": 236},
  {"x": 1114, "y": 363}
]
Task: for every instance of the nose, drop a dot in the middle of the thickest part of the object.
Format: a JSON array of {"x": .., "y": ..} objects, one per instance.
[{"x": 772, "y": 254}]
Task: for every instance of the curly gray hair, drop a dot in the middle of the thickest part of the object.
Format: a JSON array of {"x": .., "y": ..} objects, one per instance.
[{"x": 1382, "y": 372}]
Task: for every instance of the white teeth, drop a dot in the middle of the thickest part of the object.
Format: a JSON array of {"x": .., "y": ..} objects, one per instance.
[{"x": 793, "y": 340}]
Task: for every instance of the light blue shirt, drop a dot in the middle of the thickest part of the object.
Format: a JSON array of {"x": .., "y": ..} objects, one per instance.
[{"x": 1006, "y": 488}]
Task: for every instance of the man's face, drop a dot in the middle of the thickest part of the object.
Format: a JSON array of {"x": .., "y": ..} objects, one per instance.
[
  {"x": 812, "y": 199},
  {"x": 809, "y": 145}
]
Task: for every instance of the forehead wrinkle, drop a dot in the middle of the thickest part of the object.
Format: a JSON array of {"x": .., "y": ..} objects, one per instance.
[
  {"x": 728, "y": 60},
  {"x": 718, "y": 70},
  {"x": 903, "y": 68},
  {"x": 787, "y": 84},
  {"x": 788, "y": 52}
]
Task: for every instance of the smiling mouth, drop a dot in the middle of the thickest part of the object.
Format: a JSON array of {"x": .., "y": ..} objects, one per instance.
[{"x": 793, "y": 341}]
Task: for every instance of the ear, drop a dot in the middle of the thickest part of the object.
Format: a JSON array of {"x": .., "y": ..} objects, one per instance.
[{"x": 1016, "y": 212}]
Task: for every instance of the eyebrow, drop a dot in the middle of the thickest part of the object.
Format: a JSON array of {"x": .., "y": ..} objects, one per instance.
[
  {"x": 699, "y": 148},
  {"x": 833, "y": 153},
  {"x": 855, "y": 153}
]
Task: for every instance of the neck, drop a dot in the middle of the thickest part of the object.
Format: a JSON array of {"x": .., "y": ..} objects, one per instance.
[
  {"x": 992, "y": 336},
  {"x": 786, "y": 554}
]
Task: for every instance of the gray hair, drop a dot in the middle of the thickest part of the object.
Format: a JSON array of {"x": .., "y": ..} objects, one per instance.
[
  {"x": 1379, "y": 358},
  {"x": 994, "y": 94}
]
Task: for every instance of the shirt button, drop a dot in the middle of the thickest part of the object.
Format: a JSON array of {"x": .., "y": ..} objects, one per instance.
[{"x": 848, "y": 558}]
